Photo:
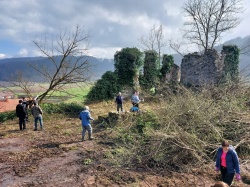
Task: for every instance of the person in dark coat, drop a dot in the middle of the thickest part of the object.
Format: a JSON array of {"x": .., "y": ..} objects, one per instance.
[
  {"x": 21, "y": 114},
  {"x": 119, "y": 101}
]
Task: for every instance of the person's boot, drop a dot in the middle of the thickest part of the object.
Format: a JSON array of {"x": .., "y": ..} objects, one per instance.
[
  {"x": 82, "y": 138},
  {"x": 91, "y": 137}
]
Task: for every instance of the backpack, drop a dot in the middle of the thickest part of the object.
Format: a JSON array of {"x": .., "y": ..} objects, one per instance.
[{"x": 134, "y": 109}]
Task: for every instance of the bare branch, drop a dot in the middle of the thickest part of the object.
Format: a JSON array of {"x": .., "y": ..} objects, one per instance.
[
  {"x": 207, "y": 20},
  {"x": 66, "y": 54}
]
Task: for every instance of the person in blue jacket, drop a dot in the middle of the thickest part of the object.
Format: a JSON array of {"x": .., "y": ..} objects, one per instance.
[
  {"x": 85, "y": 117},
  {"x": 227, "y": 162}
]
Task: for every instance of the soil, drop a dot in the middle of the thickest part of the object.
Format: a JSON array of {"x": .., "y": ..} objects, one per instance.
[
  {"x": 57, "y": 157},
  {"x": 8, "y": 105}
]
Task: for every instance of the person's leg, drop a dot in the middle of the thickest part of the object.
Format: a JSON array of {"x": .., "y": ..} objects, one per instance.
[
  {"x": 117, "y": 108},
  {"x": 121, "y": 107},
  {"x": 229, "y": 178},
  {"x": 35, "y": 123},
  {"x": 20, "y": 123},
  {"x": 83, "y": 132},
  {"x": 89, "y": 128},
  {"x": 24, "y": 123},
  {"x": 223, "y": 173},
  {"x": 41, "y": 122}
]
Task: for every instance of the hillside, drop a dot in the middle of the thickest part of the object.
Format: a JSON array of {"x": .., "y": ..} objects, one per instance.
[
  {"x": 9, "y": 67},
  {"x": 171, "y": 143}
]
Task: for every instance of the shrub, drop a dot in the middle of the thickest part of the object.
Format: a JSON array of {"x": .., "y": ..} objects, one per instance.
[
  {"x": 69, "y": 109},
  {"x": 106, "y": 88},
  {"x": 4, "y": 116}
]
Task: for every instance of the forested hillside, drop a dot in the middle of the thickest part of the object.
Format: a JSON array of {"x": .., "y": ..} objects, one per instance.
[{"x": 10, "y": 67}]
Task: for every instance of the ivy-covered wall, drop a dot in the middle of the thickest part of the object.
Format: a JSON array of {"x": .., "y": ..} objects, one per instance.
[
  {"x": 167, "y": 64},
  {"x": 150, "y": 71},
  {"x": 231, "y": 63}
]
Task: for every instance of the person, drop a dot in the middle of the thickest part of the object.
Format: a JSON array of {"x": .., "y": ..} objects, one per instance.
[
  {"x": 37, "y": 113},
  {"x": 135, "y": 99},
  {"x": 85, "y": 117},
  {"x": 25, "y": 106},
  {"x": 119, "y": 101},
  {"x": 227, "y": 162},
  {"x": 21, "y": 114},
  {"x": 134, "y": 109},
  {"x": 220, "y": 184}
]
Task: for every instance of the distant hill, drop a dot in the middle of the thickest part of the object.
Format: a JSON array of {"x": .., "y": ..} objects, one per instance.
[{"x": 10, "y": 66}]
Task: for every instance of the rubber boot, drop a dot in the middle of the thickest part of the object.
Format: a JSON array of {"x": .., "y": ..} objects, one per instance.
[{"x": 90, "y": 137}]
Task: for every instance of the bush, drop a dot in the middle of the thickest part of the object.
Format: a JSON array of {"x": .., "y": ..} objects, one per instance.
[
  {"x": 7, "y": 116},
  {"x": 106, "y": 88},
  {"x": 69, "y": 109}
]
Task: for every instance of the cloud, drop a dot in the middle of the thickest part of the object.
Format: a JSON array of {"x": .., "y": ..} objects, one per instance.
[
  {"x": 23, "y": 53},
  {"x": 107, "y": 52},
  {"x": 113, "y": 24},
  {"x": 2, "y": 55}
]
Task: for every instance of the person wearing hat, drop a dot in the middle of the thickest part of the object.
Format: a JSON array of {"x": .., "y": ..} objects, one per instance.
[{"x": 85, "y": 117}]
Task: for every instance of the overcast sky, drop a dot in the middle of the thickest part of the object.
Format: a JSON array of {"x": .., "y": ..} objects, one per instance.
[{"x": 114, "y": 24}]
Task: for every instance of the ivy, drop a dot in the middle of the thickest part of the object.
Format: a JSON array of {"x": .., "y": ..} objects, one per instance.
[
  {"x": 150, "y": 69},
  {"x": 167, "y": 64},
  {"x": 127, "y": 63},
  {"x": 105, "y": 88},
  {"x": 231, "y": 67}
]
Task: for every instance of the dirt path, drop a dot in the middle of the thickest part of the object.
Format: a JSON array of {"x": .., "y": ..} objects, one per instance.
[{"x": 56, "y": 157}]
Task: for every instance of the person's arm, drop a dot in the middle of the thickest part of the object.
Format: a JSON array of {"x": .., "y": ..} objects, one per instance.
[
  {"x": 217, "y": 163},
  {"x": 236, "y": 162},
  {"x": 40, "y": 110},
  {"x": 137, "y": 100},
  {"x": 89, "y": 116}
]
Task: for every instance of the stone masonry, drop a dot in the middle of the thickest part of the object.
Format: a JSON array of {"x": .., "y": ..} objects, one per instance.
[{"x": 200, "y": 70}]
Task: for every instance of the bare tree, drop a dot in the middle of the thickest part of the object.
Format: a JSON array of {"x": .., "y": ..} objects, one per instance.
[
  {"x": 154, "y": 41},
  {"x": 18, "y": 80},
  {"x": 207, "y": 20},
  {"x": 68, "y": 63}
]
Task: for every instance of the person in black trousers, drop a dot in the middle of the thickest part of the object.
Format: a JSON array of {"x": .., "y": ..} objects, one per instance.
[
  {"x": 21, "y": 114},
  {"x": 119, "y": 101}
]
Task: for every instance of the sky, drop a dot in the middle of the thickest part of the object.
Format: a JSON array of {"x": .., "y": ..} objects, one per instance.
[{"x": 113, "y": 24}]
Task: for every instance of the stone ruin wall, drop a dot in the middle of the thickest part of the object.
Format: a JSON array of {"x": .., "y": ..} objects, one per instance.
[
  {"x": 201, "y": 70},
  {"x": 174, "y": 75}
]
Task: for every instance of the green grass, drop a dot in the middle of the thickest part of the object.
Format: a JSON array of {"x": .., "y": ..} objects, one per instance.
[{"x": 72, "y": 92}]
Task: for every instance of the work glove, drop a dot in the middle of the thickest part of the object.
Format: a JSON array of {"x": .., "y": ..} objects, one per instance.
[
  {"x": 216, "y": 169},
  {"x": 238, "y": 177}
]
